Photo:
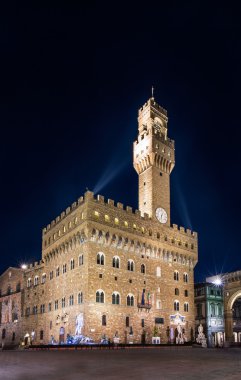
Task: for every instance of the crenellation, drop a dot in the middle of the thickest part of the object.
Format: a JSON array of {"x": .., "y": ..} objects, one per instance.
[
  {"x": 57, "y": 219},
  {"x": 111, "y": 202},
  {"x": 120, "y": 205},
  {"x": 80, "y": 200},
  {"x": 67, "y": 211},
  {"x": 129, "y": 209},
  {"x": 100, "y": 198},
  {"x": 73, "y": 206},
  {"x": 62, "y": 215}
]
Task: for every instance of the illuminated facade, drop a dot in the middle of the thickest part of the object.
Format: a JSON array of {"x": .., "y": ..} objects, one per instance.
[{"x": 109, "y": 270}]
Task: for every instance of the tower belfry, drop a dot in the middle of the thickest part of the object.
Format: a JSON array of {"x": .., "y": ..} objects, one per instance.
[{"x": 154, "y": 159}]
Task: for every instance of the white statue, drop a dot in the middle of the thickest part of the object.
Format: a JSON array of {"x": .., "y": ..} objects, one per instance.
[
  {"x": 179, "y": 338},
  {"x": 201, "y": 337},
  {"x": 79, "y": 323}
]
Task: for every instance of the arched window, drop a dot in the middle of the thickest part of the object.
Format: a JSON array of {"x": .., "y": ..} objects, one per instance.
[
  {"x": 185, "y": 277},
  {"x": 51, "y": 275},
  {"x": 176, "y": 305},
  {"x": 212, "y": 309},
  {"x": 43, "y": 278},
  {"x": 57, "y": 271},
  {"x": 158, "y": 271},
  {"x": 143, "y": 268},
  {"x": 71, "y": 300},
  {"x": 100, "y": 296},
  {"x": 100, "y": 258},
  {"x": 29, "y": 281},
  {"x": 81, "y": 260},
  {"x": 80, "y": 298},
  {"x": 186, "y": 306},
  {"x": 72, "y": 264},
  {"x": 158, "y": 304},
  {"x": 63, "y": 302},
  {"x": 219, "y": 309},
  {"x": 103, "y": 320},
  {"x": 64, "y": 268},
  {"x": 115, "y": 298},
  {"x": 176, "y": 275},
  {"x": 36, "y": 280},
  {"x": 116, "y": 262},
  {"x": 130, "y": 300},
  {"x": 176, "y": 292},
  {"x": 130, "y": 265}
]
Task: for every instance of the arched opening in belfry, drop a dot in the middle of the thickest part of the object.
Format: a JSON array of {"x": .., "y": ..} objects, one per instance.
[{"x": 236, "y": 314}]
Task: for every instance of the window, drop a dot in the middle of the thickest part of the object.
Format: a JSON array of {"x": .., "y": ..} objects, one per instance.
[
  {"x": 81, "y": 260},
  {"x": 126, "y": 224},
  {"x": 41, "y": 336},
  {"x": 100, "y": 258},
  {"x": 143, "y": 268},
  {"x": 50, "y": 306},
  {"x": 18, "y": 287},
  {"x": 27, "y": 311},
  {"x": 96, "y": 214},
  {"x": 100, "y": 275},
  {"x": 158, "y": 304},
  {"x": 107, "y": 218},
  {"x": 36, "y": 280},
  {"x": 158, "y": 272},
  {"x": 158, "y": 235},
  {"x": 43, "y": 278},
  {"x": 176, "y": 305},
  {"x": 116, "y": 221},
  {"x": 29, "y": 281},
  {"x": 72, "y": 264},
  {"x": 130, "y": 300},
  {"x": 212, "y": 309},
  {"x": 100, "y": 297},
  {"x": 35, "y": 310},
  {"x": 143, "y": 323},
  {"x": 42, "y": 309},
  {"x": 127, "y": 321},
  {"x": 186, "y": 306},
  {"x": 186, "y": 293},
  {"x": 13, "y": 336},
  {"x": 219, "y": 309},
  {"x": 103, "y": 320},
  {"x": 115, "y": 298},
  {"x": 116, "y": 262},
  {"x": 134, "y": 226},
  {"x": 63, "y": 302},
  {"x": 51, "y": 275},
  {"x": 80, "y": 298},
  {"x": 56, "y": 305},
  {"x": 176, "y": 292},
  {"x": 185, "y": 277},
  {"x": 64, "y": 268},
  {"x": 199, "y": 310},
  {"x": 176, "y": 275},
  {"x": 57, "y": 271},
  {"x": 71, "y": 300},
  {"x": 130, "y": 265}
]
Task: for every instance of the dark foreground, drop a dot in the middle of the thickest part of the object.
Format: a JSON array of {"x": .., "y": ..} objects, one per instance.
[{"x": 153, "y": 363}]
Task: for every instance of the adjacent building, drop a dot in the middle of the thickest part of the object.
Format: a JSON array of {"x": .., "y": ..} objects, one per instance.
[
  {"x": 108, "y": 270},
  {"x": 209, "y": 312}
]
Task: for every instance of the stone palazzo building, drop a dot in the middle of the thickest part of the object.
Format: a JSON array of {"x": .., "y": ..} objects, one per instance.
[{"x": 109, "y": 270}]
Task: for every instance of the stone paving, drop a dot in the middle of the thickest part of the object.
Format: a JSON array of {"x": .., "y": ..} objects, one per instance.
[{"x": 155, "y": 363}]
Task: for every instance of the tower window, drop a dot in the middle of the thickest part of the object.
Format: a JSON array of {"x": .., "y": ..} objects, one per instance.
[
  {"x": 161, "y": 174},
  {"x": 144, "y": 183}
]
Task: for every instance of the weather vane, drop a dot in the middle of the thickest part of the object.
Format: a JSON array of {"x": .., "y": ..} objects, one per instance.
[{"x": 152, "y": 91}]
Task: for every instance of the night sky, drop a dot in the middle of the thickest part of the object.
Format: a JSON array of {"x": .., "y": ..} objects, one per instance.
[{"x": 72, "y": 79}]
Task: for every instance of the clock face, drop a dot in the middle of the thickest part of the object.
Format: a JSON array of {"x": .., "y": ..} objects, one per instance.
[{"x": 161, "y": 215}]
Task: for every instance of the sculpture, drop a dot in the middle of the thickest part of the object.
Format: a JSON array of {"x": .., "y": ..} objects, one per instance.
[{"x": 79, "y": 323}]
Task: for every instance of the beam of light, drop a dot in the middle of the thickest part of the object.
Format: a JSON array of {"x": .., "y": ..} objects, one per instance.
[
  {"x": 182, "y": 207},
  {"x": 109, "y": 174}
]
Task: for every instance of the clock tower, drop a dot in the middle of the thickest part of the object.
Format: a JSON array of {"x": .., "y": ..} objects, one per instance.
[{"x": 154, "y": 159}]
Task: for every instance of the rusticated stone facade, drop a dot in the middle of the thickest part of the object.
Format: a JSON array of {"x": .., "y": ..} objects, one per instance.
[
  {"x": 11, "y": 313},
  {"x": 109, "y": 270}
]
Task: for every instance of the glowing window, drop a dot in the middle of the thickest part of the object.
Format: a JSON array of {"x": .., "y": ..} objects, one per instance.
[
  {"x": 107, "y": 218},
  {"x": 96, "y": 213},
  {"x": 116, "y": 221},
  {"x": 126, "y": 224}
]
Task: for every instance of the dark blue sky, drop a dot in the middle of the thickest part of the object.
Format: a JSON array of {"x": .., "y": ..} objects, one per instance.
[{"x": 72, "y": 80}]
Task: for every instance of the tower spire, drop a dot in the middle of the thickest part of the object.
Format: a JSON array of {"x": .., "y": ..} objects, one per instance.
[{"x": 152, "y": 92}]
